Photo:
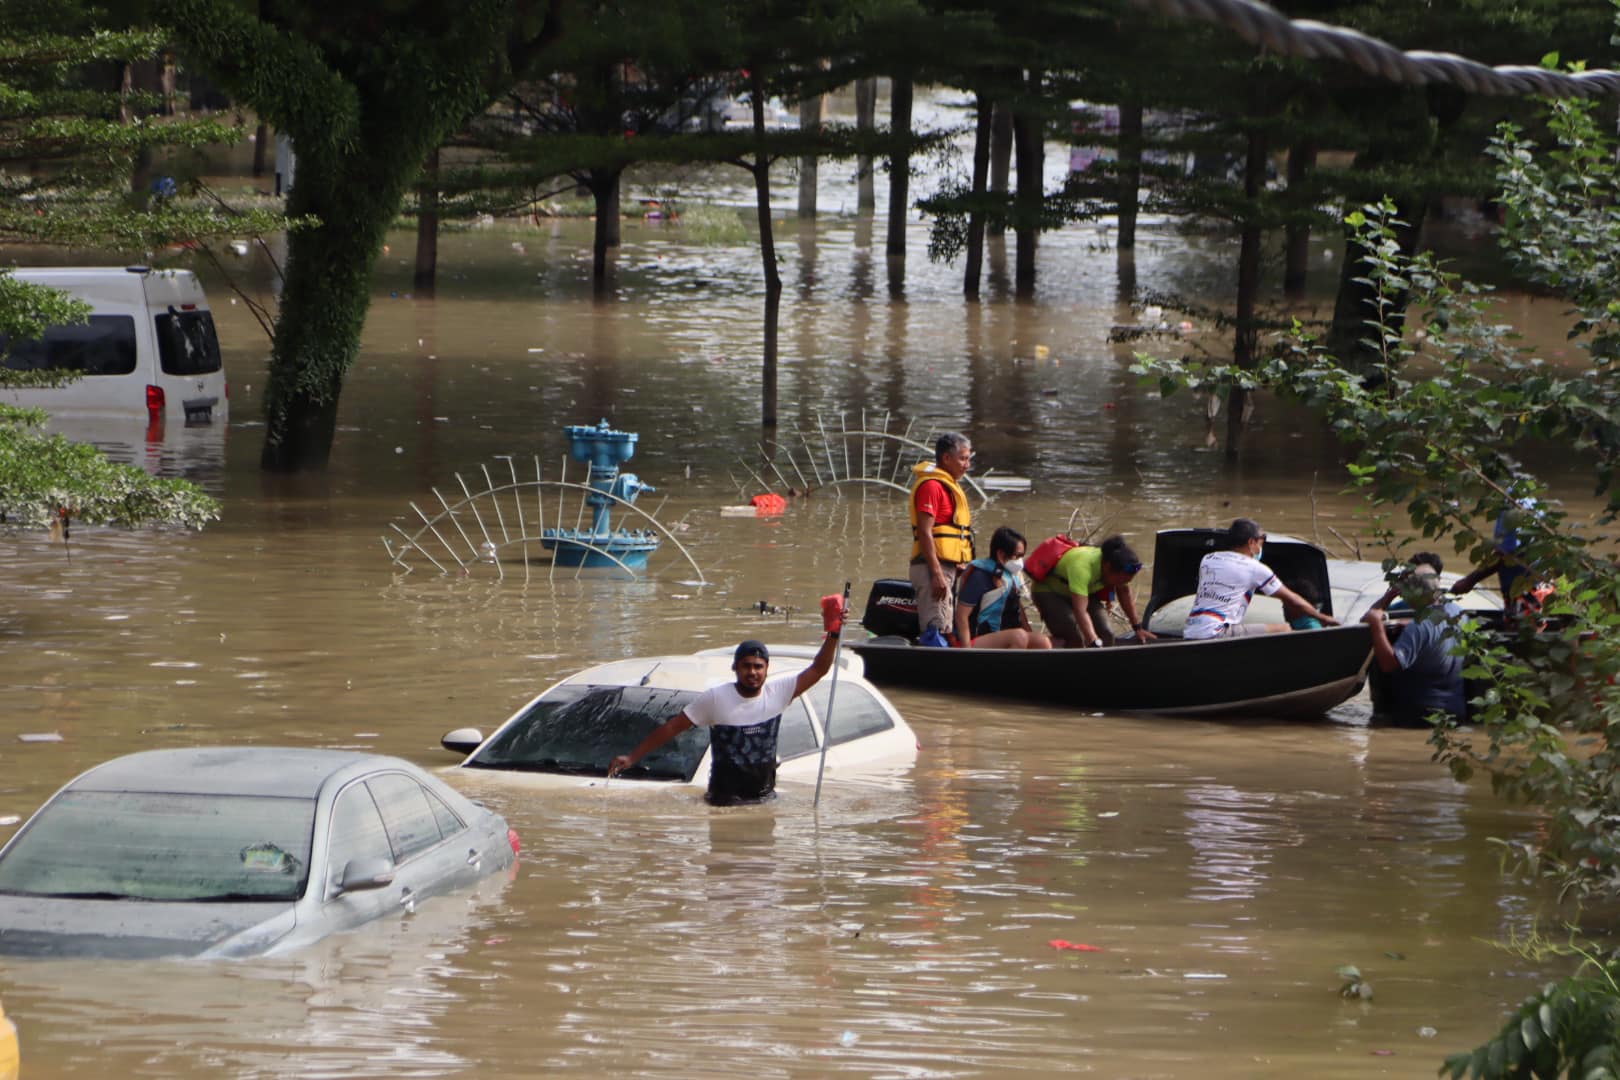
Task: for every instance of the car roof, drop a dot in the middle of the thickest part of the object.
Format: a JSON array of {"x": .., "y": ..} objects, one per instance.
[
  {"x": 287, "y": 772},
  {"x": 701, "y": 670}
]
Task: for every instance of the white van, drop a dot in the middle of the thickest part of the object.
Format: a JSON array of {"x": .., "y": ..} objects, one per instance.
[{"x": 149, "y": 350}]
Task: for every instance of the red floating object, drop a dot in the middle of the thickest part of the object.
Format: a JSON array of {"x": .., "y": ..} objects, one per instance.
[
  {"x": 1059, "y": 943},
  {"x": 769, "y": 504}
]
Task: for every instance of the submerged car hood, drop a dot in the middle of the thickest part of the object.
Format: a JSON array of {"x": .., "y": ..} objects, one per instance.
[{"x": 137, "y": 929}]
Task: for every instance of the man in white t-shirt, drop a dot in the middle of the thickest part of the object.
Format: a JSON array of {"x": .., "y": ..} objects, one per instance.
[
  {"x": 1228, "y": 580},
  {"x": 743, "y": 719}
]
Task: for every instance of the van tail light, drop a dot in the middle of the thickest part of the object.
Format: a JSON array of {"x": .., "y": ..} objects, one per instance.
[
  {"x": 512, "y": 838},
  {"x": 154, "y": 414}
]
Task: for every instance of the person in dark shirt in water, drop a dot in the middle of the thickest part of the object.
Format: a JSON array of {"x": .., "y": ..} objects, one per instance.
[
  {"x": 1424, "y": 674},
  {"x": 744, "y": 718}
]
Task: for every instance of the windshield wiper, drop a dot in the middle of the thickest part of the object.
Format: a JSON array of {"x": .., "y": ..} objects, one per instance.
[{"x": 572, "y": 768}]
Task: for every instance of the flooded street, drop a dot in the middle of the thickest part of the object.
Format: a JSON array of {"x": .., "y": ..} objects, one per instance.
[{"x": 1222, "y": 870}]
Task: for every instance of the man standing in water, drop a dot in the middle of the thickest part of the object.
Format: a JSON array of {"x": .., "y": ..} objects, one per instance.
[
  {"x": 941, "y": 534},
  {"x": 743, "y": 718}
]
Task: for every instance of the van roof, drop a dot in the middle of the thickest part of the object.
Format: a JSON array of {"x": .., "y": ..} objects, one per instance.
[{"x": 32, "y": 272}]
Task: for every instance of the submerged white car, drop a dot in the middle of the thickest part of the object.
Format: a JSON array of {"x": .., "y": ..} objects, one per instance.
[
  {"x": 236, "y": 851},
  {"x": 568, "y": 734}
]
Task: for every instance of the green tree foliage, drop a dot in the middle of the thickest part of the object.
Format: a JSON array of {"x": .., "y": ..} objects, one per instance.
[
  {"x": 1438, "y": 430},
  {"x": 365, "y": 90},
  {"x": 68, "y": 142},
  {"x": 1567, "y": 1028}
]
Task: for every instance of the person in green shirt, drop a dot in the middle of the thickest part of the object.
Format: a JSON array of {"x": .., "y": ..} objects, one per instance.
[{"x": 1075, "y": 594}]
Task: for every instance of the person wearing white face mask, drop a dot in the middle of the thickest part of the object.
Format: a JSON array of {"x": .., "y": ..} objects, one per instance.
[{"x": 989, "y": 608}]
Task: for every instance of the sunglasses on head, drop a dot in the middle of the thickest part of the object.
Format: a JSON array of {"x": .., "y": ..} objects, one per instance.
[{"x": 1131, "y": 568}]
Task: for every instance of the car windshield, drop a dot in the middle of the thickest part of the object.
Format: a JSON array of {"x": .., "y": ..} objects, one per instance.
[
  {"x": 579, "y": 729},
  {"x": 136, "y": 845}
]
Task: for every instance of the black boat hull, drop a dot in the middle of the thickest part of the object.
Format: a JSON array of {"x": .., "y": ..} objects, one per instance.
[{"x": 1297, "y": 675}]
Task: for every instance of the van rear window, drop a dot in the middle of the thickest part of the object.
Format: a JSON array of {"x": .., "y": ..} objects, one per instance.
[
  {"x": 187, "y": 344},
  {"x": 103, "y": 346}
]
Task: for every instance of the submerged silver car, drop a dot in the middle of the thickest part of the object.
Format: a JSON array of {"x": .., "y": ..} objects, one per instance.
[{"x": 236, "y": 851}]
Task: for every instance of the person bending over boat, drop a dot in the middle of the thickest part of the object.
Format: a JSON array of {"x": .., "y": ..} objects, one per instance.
[
  {"x": 743, "y": 718},
  {"x": 989, "y": 608},
  {"x": 1074, "y": 597},
  {"x": 1228, "y": 580},
  {"x": 1424, "y": 675},
  {"x": 941, "y": 534}
]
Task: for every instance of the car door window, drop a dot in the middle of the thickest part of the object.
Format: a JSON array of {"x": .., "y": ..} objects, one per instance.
[
  {"x": 856, "y": 712},
  {"x": 449, "y": 823},
  {"x": 104, "y": 345},
  {"x": 796, "y": 738},
  {"x": 407, "y": 814},
  {"x": 357, "y": 832}
]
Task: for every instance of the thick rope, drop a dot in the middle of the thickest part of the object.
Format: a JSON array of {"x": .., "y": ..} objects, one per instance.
[{"x": 1261, "y": 25}]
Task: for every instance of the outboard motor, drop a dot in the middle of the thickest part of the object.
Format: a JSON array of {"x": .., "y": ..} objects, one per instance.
[{"x": 891, "y": 609}]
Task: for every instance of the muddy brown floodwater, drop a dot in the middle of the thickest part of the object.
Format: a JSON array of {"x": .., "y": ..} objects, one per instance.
[{"x": 1222, "y": 870}]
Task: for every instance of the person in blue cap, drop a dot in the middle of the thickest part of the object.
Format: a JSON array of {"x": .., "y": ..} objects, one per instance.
[
  {"x": 1522, "y": 593},
  {"x": 743, "y": 718}
]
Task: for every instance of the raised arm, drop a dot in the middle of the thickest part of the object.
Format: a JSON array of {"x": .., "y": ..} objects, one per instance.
[
  {"x": 820, "y": 665},
  {"x": 1467, "y": 582}
]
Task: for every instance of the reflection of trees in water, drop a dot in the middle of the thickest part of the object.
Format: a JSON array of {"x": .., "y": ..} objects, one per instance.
[{"x": 562, "y": 618}]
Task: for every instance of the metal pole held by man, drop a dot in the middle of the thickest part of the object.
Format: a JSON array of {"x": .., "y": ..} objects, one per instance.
[{"x": 833, "y": 610}]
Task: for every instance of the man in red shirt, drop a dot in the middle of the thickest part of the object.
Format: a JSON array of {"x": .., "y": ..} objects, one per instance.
[{"x": 942, "y": 534}]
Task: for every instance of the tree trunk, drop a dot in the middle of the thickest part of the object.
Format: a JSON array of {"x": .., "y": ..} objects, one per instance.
[
  {"x": 811, "y": 112},
  {"x": 136, "y": 77},
  {"x": 1001, "y": 144},
  {"x": 981, "y": 176},
  {"x": 1297, "y": 245},
  {"x": 899, "y": 165},
  {"x": 326, "y": 292},
  {"x": 1130, "y": 171},
  {"x": 767, "y": 247},
  {"x": 261, "y": 138},
  {"x": 1247, "y": 335},
  {"x": 1030, "y": 144},
  {"x": 604, "y": 188},
  {"x": 865, "y": 123},
  {"x": 1353, "y": 305},
  {"x": 427, "y": 227}
]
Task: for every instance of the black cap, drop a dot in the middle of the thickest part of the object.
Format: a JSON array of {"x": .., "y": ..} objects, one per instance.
[{"x": 750, "y": 648}]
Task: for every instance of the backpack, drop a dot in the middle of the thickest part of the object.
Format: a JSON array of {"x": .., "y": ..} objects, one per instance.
[{"x": 1039, "y": 563}]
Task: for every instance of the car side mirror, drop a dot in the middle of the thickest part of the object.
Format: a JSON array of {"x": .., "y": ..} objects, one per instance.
[
  {"x": 462, "y": 740},
  {"x": 366, "y": 872}
]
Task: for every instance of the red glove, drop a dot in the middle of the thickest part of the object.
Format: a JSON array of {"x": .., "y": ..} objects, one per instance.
[{"x": 832, "y": 613}]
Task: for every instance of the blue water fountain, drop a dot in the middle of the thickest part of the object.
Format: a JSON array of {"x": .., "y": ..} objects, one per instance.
[{"x": 604, "y": 450}]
